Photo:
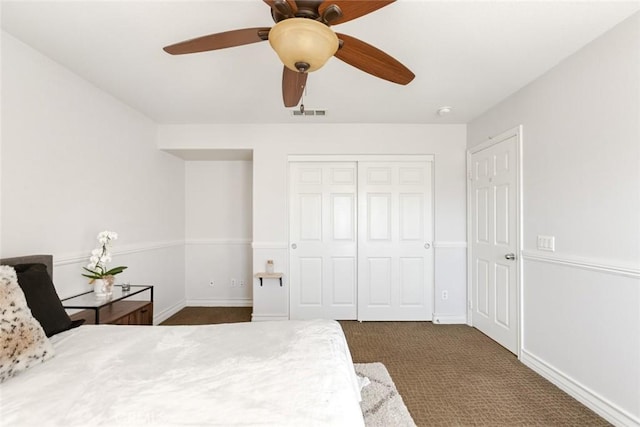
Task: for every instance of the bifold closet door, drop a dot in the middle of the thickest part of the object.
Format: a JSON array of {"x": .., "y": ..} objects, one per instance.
[
  {"x": 395, "y": 233},
  {"x": 323, "y": 240}
]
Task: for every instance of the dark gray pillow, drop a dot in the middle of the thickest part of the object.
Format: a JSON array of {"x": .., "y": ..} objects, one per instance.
[{"x": 43, "y": 299}]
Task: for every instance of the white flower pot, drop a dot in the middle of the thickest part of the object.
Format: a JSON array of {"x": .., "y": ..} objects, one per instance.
[
  {"x": 99, "y": 288},
  {"x": 102, "y": 288}
]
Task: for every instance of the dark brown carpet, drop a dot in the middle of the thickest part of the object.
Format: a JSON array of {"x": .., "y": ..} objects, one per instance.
[
  {"x": 447, "y": 375},
  {"x": 210, "y": 315}
]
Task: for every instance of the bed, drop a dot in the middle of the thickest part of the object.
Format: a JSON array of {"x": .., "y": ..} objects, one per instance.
[{"x": 285, "y": 373}]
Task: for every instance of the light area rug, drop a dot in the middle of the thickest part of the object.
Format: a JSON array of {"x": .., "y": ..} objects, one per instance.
[{"x": 381, "y": 403}]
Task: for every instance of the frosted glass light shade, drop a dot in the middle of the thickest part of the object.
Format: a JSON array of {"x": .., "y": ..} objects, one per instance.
[{"x": 303, "y": 40}]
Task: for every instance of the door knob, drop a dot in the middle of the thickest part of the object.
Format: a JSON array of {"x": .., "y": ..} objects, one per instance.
[
  {"x": 427, "y": 245},
  {"x": 510, "y": 257},
  {"x": 294, "y": 246}
]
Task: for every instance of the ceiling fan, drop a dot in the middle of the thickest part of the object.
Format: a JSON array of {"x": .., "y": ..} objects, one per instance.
[{"x": 304, "y": 41}]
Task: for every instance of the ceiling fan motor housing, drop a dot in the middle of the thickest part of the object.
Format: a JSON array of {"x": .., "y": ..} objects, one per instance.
[{"x": 303, "y": 40}]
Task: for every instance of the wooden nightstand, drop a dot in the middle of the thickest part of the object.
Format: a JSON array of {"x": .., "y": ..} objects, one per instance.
[{"x": 118, "y": 309}]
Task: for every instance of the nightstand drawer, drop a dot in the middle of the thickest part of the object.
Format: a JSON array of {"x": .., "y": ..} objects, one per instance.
[{"x": 120, "y": 313}]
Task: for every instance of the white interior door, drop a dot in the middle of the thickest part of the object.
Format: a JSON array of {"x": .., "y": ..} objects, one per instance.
[
  {"x": 494, "y": 241},
  {"x": 395, "y": 231},
  {"x": 323, "y": 252}
]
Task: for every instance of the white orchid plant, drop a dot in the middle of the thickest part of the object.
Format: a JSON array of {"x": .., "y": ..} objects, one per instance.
[{"x": 100, "y": 257}]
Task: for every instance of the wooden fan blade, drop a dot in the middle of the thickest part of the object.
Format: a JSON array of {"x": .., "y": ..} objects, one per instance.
[
  {"x": 372, "y": 60},
  {"x": 220, "y": 41},
  {"x": 352, "y": 9},
  {"x": 293, "y": 84}
]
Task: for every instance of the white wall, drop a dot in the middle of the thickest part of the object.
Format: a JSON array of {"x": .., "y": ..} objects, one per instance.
[
  {"x": 76, "y": 161},
  {"x": 581, "y": 173},
  {"x": 218, "y": 226},
  {"x": 272, "y": 144}
]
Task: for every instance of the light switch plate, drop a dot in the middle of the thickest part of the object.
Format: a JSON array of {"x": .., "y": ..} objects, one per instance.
[{"x": 547, "y": 243}]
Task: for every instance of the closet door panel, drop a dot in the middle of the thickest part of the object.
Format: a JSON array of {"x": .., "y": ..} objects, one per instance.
[
  {"x": 395, "y": 257},
  {"x": 323, "y": 251},
  {"x": 360, "y": 240}
]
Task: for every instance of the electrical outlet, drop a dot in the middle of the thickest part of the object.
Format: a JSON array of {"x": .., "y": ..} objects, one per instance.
[
  {"x": 233, "y": 283},
  {"x": 241, "y": 283},
  {"x": 445, "y": 295},
  {"x": 212, "y": 283}
]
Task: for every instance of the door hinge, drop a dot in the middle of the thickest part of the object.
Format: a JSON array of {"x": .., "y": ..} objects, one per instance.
[
  {"x": 470, "y": 175},
  {"x": 470, "y": 304}
]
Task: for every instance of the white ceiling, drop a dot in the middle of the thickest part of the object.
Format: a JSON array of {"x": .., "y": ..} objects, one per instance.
[{"x": 469, "y": 55}]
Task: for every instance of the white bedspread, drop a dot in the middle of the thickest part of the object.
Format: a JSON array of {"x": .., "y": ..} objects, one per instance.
[{"x": 250, "y": 374}]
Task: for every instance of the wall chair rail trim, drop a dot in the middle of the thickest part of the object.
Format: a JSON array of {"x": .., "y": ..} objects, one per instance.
[
  {"x": 270, "y": 245},
  {"x": 66, "y": 259},
  {"x": 218, "y": 241},
  {"x": 440, "y": 244},
  {"x": 583, "y": 263}
]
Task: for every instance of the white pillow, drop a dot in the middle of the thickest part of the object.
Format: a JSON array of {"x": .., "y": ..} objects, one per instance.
[{"x": 23, "y": 342}]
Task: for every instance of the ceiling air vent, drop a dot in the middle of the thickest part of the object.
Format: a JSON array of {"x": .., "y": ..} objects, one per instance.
[{"x": 309, "y": 112}]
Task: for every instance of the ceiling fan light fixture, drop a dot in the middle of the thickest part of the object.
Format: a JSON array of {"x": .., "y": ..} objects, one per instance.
[{"x": 303, "y": 41}]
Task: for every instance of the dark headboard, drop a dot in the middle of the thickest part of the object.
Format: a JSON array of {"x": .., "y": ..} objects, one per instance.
[{"x": 31, "y": 259}]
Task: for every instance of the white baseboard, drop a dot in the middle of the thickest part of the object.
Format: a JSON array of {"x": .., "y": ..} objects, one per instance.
[
  {"x": 607, "y": 410},
  {"x": 240, "y": 302},
  {"x": 267, "y": 317},
  {"x": 168, "y": 312},
  {"x": 449, "y": 319}
]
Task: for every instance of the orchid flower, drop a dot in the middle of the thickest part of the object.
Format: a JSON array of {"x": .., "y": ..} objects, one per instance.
[{"x": 100, "y": 257}]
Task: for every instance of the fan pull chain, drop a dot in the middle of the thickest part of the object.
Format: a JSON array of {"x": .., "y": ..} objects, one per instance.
[{"x": 304, "y": 92}]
